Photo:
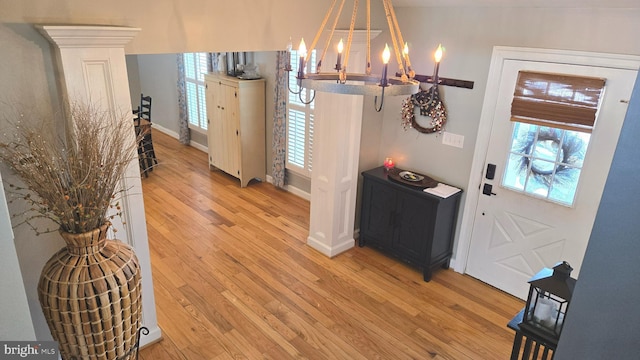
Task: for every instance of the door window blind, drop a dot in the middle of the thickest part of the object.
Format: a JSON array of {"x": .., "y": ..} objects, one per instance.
[{"x": 557, "y": 100}]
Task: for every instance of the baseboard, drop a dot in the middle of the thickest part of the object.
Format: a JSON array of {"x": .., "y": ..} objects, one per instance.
[
  {"x": 166, "y": 131},
  {"x": 292, "y": 189},
  {"x": 154, "y": 335},
  {"x": 199, "y": 146},
  {"x": 176, "y": 136},
  {"x": 330, "y": 251}
]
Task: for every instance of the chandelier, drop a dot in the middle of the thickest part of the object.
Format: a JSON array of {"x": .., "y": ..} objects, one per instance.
[{"x": 341, "y": 81}]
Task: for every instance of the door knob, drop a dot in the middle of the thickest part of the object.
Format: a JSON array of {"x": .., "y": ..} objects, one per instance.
[{"x": 487, "y": 190}]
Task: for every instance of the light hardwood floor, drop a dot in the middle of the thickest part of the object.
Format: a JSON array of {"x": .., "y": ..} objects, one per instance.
[{"x": 234, "y": 279}]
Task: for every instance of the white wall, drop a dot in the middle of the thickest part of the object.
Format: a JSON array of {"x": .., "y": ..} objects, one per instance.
[{"x": 15, "y": 318}]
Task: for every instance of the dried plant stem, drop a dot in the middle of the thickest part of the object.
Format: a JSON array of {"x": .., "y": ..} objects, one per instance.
[{"x": 75, "y": 179}]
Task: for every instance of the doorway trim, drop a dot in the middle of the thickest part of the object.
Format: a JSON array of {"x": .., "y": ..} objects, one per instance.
[{"x": 499, "y": 56}]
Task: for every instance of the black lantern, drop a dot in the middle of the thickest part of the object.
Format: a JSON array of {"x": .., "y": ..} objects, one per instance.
[{"x": 548, "y": 301}]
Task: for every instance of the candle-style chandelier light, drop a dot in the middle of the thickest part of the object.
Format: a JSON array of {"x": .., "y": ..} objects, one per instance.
[{"x": 343, "y": 82}]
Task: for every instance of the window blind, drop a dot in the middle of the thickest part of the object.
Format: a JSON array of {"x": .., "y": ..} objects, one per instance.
[
  {"x": 300, "y": 122},
  {"x": 557, "y": 100},
  {"x": 195, "y": 67}
]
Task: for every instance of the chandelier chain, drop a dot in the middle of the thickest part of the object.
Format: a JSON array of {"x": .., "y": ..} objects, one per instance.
[
  {"x": 324, "y": 23},
  {"x": 330, "y": 37},
  {"x": 392, "y": 31},
  {"x": 401, "y": 41},
  {"x": 350, "y": 38}
]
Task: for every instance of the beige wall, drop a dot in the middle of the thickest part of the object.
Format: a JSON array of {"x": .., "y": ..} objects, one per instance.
[{"x": 174, "y": 26}]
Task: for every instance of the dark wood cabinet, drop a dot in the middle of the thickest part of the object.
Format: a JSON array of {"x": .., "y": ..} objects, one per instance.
[{"x": 406, "y": 222}]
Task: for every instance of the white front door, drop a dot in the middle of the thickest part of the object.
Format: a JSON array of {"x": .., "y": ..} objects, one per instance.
[{"x": 517, "y": 233}]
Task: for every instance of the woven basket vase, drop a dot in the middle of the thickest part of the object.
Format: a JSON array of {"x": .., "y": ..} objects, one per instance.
[{"x": 90, "y": 293}]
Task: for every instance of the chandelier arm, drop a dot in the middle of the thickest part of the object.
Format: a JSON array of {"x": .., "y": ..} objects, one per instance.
[
  {"x": 368, "y": 70},
  {"x": 289, "y": 86},
  {"x": 401, "y": 41},
  {"x": 324, "y": 23},
  {"x": 392, "y": 30},
  {"x": 313, "y": 97},
  {"x": 333, "y": 29}
]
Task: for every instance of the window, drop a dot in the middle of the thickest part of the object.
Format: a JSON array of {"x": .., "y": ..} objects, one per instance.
[
  {"x": 546, "y": 162},
  {"x": 195, "y": 66},
  {"x": 553, "y": 116},
  {"x": 300, "y": 121}
]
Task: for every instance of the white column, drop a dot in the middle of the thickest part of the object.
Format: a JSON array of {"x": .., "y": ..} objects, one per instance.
[
  {"x": 335, "y": 172},
  {"x": 336, "y": 148},
  {"x": 92, "y": 67}
]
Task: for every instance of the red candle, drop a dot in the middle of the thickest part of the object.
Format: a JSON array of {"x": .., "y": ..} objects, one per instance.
[{"x": 388, "y": 163}]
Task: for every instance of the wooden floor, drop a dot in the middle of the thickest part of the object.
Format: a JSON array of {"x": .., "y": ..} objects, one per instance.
[{"x": 234, "y": 279}]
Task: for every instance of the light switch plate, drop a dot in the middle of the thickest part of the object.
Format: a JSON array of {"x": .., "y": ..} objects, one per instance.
[{"x": 452, "y": 139}]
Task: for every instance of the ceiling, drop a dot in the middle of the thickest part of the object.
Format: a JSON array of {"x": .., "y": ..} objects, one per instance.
[{"x": 521, "y": 3}]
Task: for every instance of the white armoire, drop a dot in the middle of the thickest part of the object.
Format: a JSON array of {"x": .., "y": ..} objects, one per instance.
[{"x": 236, "y": 126}]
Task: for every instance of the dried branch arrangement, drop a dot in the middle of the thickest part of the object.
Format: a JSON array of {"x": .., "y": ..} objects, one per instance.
[{"x": 74, "y": 180}]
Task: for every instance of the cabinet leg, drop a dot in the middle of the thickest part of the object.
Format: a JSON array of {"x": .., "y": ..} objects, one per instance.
[
  {"x": 426, "y": 275},
  {"x": 446, "y": 264},
  {"x": 360, "y": 242}
]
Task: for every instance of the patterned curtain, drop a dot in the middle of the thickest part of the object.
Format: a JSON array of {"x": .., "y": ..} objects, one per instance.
[
  {"x": 212, "y": 62},
  {"x": 280, "y": 120},
  {"x": 183, "y": 121}
]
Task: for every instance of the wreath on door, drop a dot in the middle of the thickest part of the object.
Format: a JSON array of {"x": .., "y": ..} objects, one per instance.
[{"x": 430, "y": 105}]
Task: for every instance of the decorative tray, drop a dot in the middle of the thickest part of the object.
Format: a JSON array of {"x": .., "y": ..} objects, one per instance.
[{"x": 411, "y": 178}]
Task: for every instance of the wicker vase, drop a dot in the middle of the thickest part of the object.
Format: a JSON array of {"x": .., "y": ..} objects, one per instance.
[{"x": 90, "y": 293}]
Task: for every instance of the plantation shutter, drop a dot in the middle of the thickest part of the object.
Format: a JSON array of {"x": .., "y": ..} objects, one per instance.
[
  {"x": 557, "y": 100},
  {"x": 296, "y": 140},
  {"x": 195, "y": 67},
  {"x": 300, "y": 121}
]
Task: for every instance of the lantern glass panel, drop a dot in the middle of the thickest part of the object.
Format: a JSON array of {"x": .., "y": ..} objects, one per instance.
[{"x": 546, "y": 312}]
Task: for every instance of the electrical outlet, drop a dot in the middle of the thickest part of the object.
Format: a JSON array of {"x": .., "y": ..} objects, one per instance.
[{"x": 452, "y": 139}]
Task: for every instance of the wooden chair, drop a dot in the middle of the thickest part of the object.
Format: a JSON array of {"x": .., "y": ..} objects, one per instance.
[
  {"x": 142, "y": 121},
  {"x": 145, "y": 107}
]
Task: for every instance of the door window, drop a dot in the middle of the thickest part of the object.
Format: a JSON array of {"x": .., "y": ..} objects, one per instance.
[{"x": 545, "y": 162}]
